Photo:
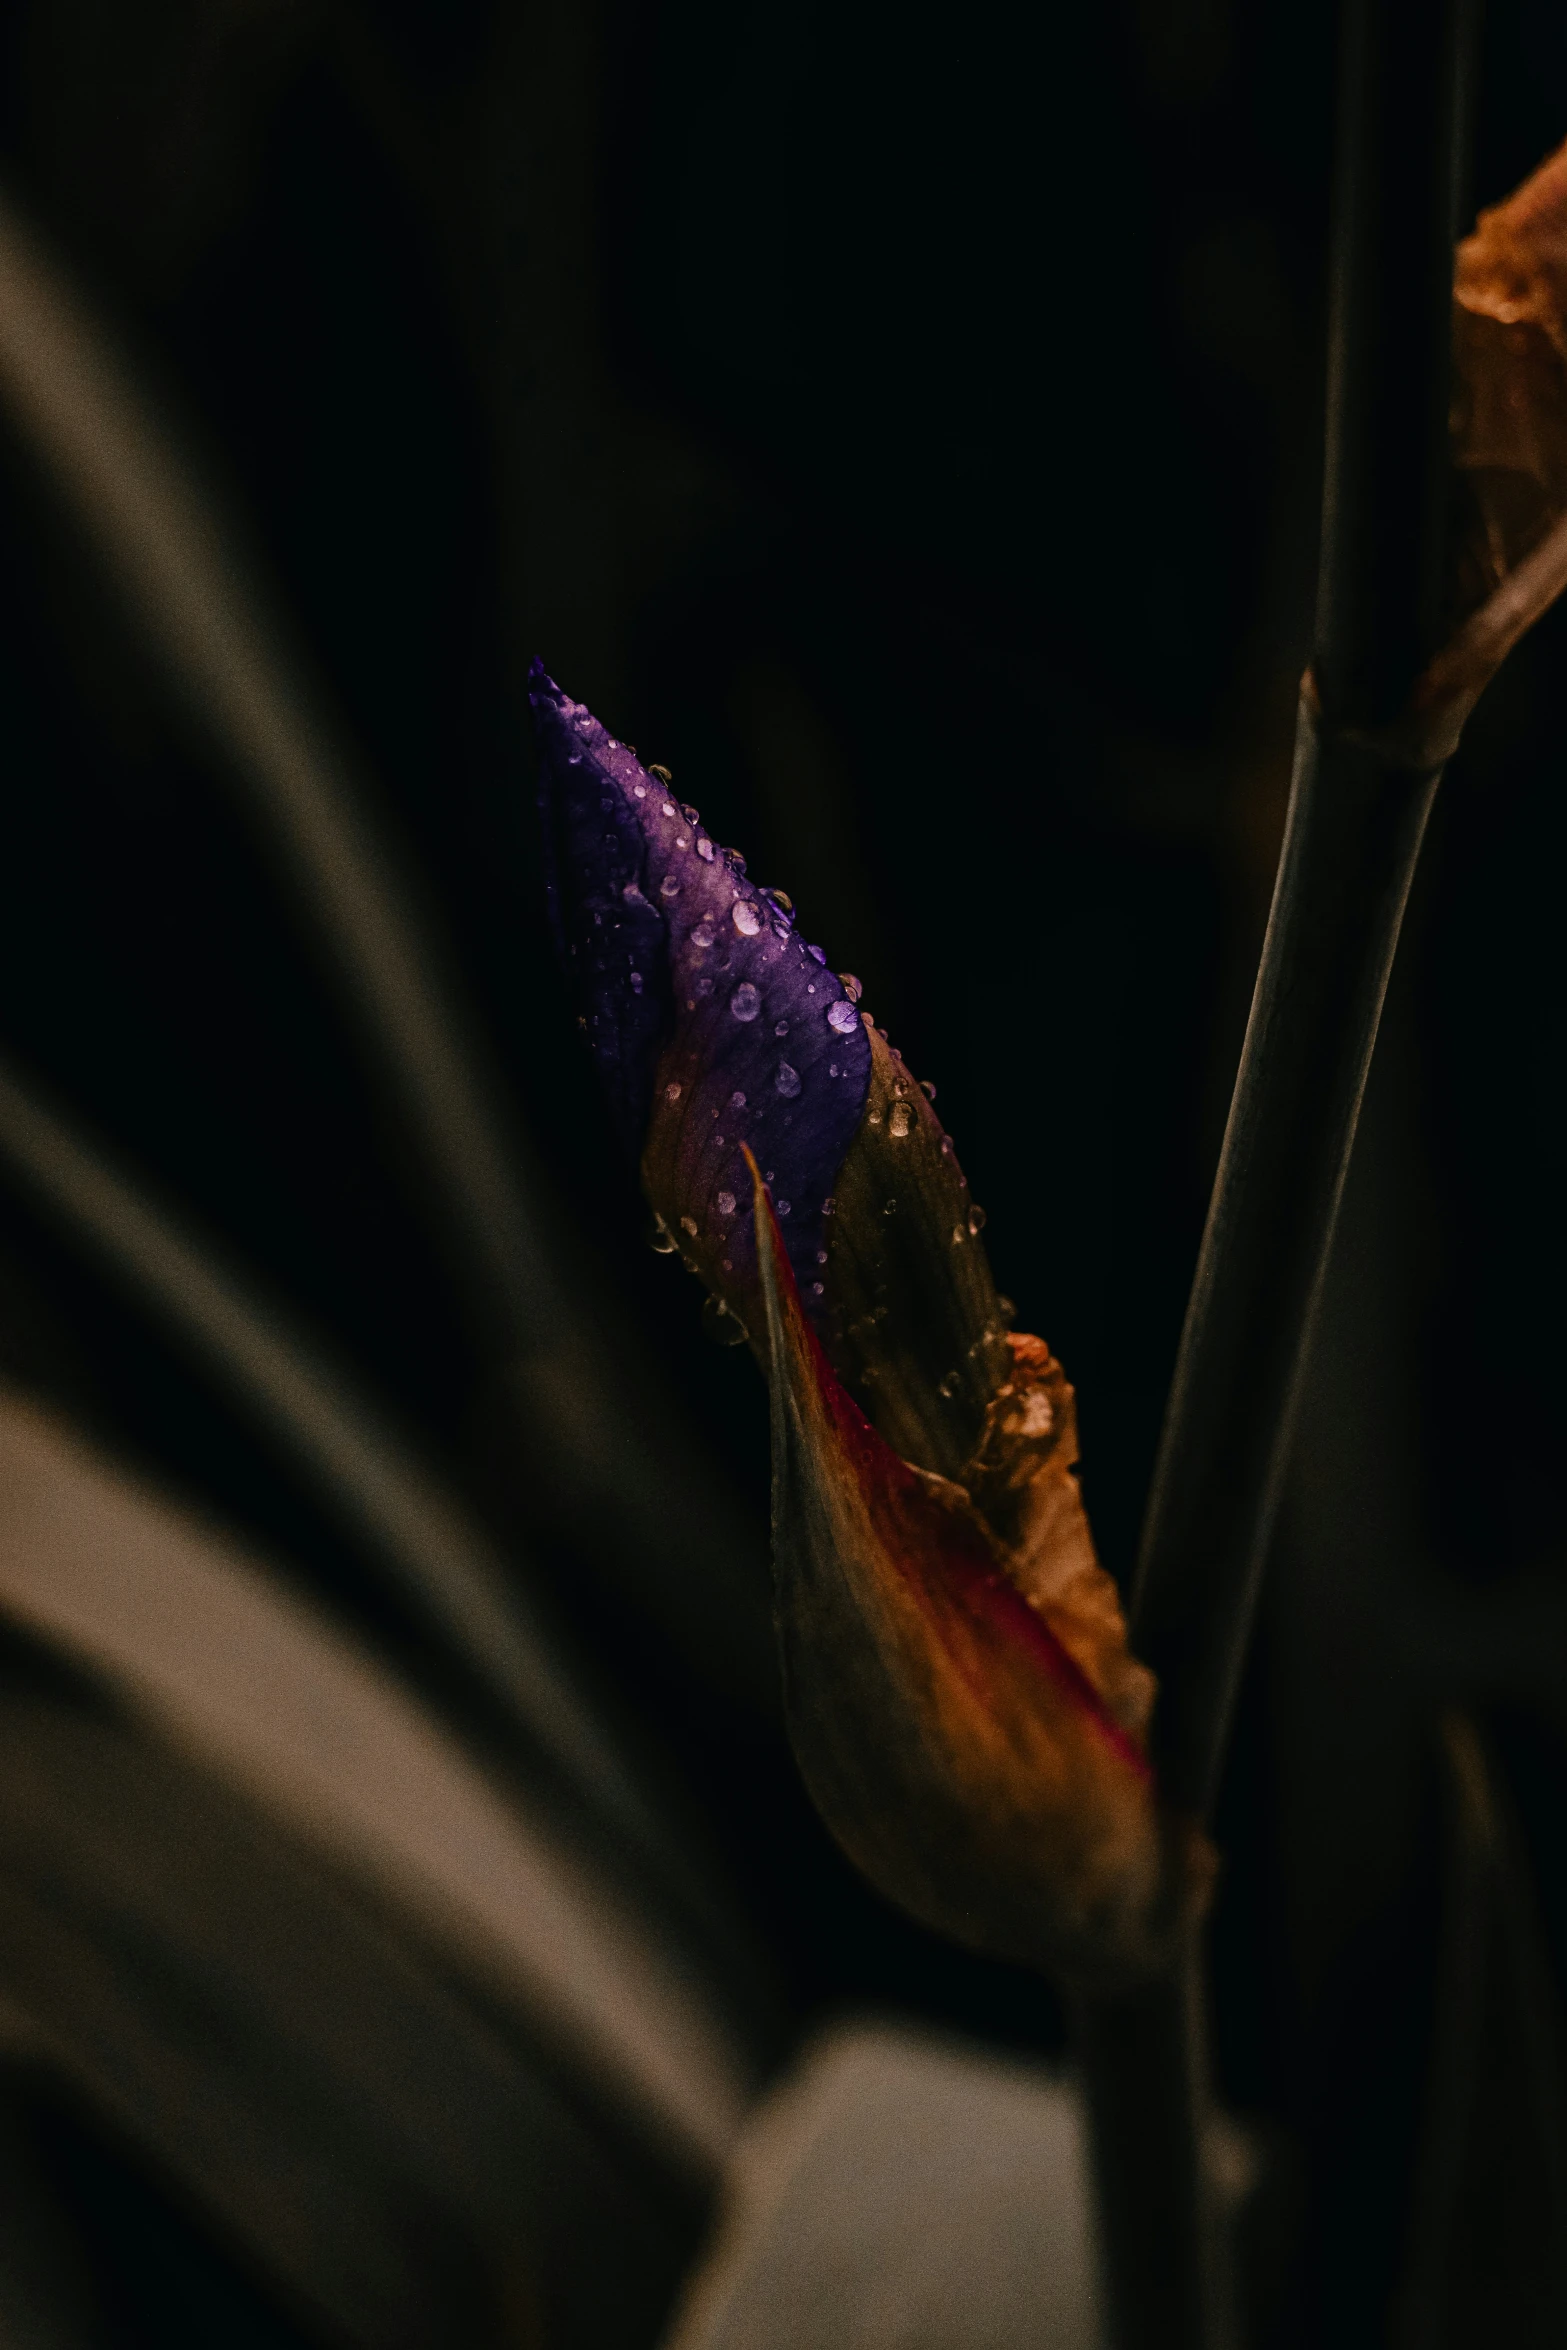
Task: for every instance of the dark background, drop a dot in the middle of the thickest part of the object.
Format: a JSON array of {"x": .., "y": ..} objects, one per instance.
[{"x": 906, "y": 427}]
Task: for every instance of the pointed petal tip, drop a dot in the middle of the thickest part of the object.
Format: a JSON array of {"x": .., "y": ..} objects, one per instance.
[{"x": 710, "y": 1016}]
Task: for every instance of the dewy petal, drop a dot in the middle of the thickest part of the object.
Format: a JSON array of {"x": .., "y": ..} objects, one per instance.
[
  {"x": 714, "y": 1022},
  {"x": 915, "y": 1328},
  {"x": 958, "y": 1746},
  {"x": 609, "y": 922}
]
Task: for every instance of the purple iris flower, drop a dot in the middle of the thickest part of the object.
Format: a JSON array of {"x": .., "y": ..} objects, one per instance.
[
  {"x": 959, "y": 1690},
  {"x": 714, "y": 1024}
]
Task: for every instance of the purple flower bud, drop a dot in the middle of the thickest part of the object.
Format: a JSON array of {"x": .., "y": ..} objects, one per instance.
[
  {"x": 960, "y": 1692},
  {"x": 717, "y": 1028},
  {"x": 636, "y": 894}
]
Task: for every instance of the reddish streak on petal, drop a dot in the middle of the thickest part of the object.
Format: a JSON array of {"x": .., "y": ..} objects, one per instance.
[{"x": 983, "y": 1623}]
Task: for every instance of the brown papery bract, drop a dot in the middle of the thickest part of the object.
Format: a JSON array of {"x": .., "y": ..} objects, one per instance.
[
  {"x": 1509, "y": 447},
  {"x": 1510, "y": 369},
  {"x": 960, "y": 1695},
  {"x": 1023, "y": 1483}
]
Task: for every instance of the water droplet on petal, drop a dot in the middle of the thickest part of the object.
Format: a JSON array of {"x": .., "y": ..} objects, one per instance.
[
  {"x": 737, "y": 1101},
  {"x": 669, "y": 887},
  {"x": 976, "y": 1219},
  {"x": 669, "y": 807},
  {"x": 722, "y": 1326},
  {"x": 828, "y": 1206},
  {"x": 891, "y": 1208},
  {"x": 821, "y": 1256},
  {"x": 819, "y": 952},
  {"x": 636, "y": 983},
  {"x": 843, "y": 1017},
  {"x": 782, "y": 1207},
  {"x": 659, "y": 1238},
  {"x": 832, "y": 1068},
  {"x": 688, "y": 1224},
  {"x": 787, "y": 1081},
  {"x": 671, "y": 1093},
  {"x": 705, "y": 850},
  {"x": 816, "y": 1289},
  {"x": 690, "y": 814},
  {"x": 782, "y": 1028},
  {"x": 958, "y": 1236},
  {"x": 927, "y": 1089},
  {"x": 1038, "y": 1415},
  {"x": 898, "y": 1123},
  {"x": 946, "y": 1146},
  {"x": 725, "y": 1203},
  {"x": 639, "y": 791},
  {"x": 703, "y": 935},
  {"x": 851, "y": 986},
  {"x": 746, "y": 918},
  {"x": 949, "y": 1387},
  {"x": 781, "y": 899},
  {"x": 745, "y": 1003}
]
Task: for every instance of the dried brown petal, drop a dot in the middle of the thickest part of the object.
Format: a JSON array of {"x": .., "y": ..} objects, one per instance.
[
  {"x": 1022, "y": 1481},
  {"x": 965, "y": 1714},
  {"x": 1510, "y": 376},
  {"x": 1509, "y": 449}
]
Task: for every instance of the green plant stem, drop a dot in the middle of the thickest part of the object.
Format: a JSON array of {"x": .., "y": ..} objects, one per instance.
[
  {"x": 1356, "y": 821},
  {"x": 1142, "y": 2061},
  {"x": 1355, "y": 826},
  {"x": 1358, "y": 809}
]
